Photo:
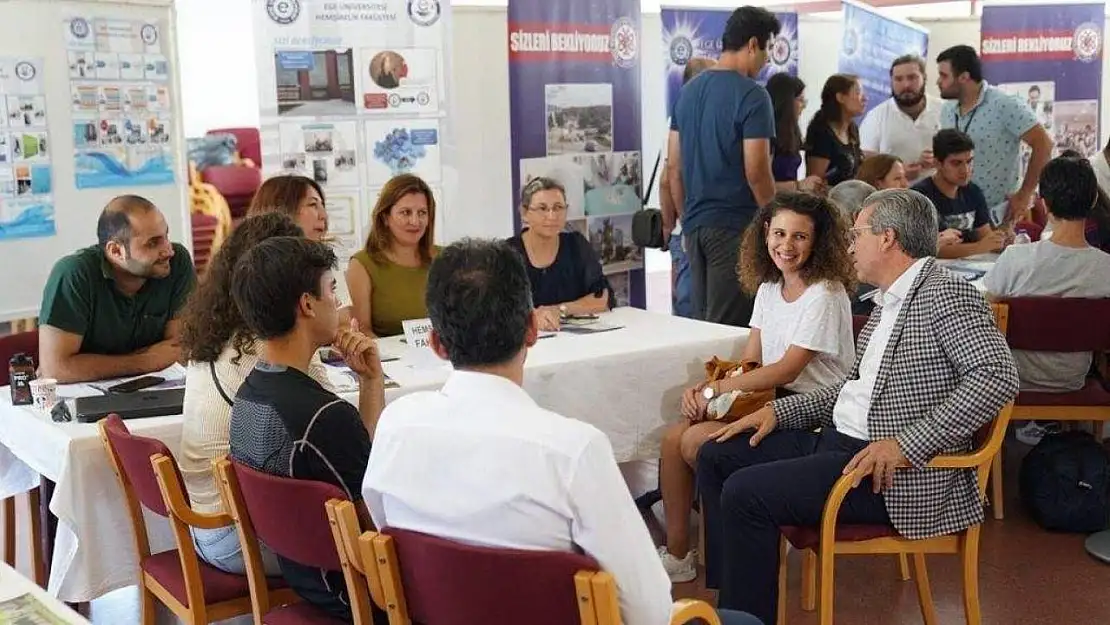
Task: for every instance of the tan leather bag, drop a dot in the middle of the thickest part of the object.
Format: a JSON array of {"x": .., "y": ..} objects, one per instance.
[{"x": 745, "y": 403}]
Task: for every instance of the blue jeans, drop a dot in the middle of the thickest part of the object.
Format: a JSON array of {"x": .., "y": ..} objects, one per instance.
[
  {"x": 680, "y": 279},
  {"x": 220, "y": 547},
  {"x": 732, "y": 617}
]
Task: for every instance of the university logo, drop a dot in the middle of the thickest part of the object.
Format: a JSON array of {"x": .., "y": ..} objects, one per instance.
[
  {"x": 682, "y": 50},
  {"x": 283, "y": 12},
  {"x": 1087, "y": 42},
  {"x": 79, "y": 27},
  {"x": 149, "y": 34},
  {"x": 424, "y": 12},
  {"x": 25, "y": 71},
  {"x": 624, "y": 43},
  {"x": 779, "y": 51}
]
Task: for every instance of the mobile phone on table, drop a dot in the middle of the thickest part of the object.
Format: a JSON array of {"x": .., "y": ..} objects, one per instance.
[{"x": 137, "y": 384}]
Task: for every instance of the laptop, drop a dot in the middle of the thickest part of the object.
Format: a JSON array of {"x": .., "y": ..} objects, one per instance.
[{"x": 137, "y": 405}]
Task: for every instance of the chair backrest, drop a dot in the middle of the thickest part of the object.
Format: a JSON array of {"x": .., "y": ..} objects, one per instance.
[
  {"x": 363, "y": 583},
  {"x": 131, "y": 456},
  {"x": 450, "y": 583},
  {"x": 289, "y": 515},
  {"x": 1059, "y": 324},
  {"x": 12, "y": 344},
  {"x": 248, "y": 141}
]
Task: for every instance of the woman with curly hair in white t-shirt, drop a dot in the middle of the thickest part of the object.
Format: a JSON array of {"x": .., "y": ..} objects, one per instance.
[{"x": 794, "y": 257}]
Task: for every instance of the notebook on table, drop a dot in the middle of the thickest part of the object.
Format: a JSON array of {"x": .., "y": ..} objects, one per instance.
[{"x": 137, "y": 405}]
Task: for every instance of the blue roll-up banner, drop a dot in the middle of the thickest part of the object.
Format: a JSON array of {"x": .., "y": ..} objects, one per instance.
[{"x": 870, "y": 42}]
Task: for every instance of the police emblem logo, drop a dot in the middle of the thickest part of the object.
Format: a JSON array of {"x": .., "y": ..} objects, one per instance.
[
  {"x": 25, "y": 71},
  {"x": 283, "y": 12},
  {"x": 424, "y": 12},
  {"x": 780, "y": 50},
  {"x": 149, "y": 34},
  {"x": 79, "y": 27},
  {"x": 1087, "y": 41},
  {"x": 624, "y": 42},
  {"x": 682, "y": 50}
]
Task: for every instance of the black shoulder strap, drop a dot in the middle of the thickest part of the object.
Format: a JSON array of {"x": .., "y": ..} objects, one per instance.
[
  {"x": 216, "y": 381},
  {"x": 651, "y": 183}
]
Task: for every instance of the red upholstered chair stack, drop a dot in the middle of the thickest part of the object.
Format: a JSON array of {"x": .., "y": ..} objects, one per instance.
[
  {"x": 290, "y": 517},
  {"x": 192, "y": 589},
  {"x": 238, "y": 182},
  {"x": 10, "y": 345}
]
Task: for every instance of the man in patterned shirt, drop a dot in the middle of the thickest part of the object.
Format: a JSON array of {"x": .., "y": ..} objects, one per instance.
[
  {"x": 931, "y": 369},
  {"x": 998, "y": 123}
]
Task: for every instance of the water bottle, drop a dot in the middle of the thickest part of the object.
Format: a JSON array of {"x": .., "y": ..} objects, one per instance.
[{"x": 1022, "y": 237}]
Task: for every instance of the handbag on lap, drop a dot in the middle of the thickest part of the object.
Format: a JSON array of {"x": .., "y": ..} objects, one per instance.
[{"x": 739, "y": 403}]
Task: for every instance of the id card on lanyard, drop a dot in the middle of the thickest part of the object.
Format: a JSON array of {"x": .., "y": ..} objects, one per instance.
[{"x": 970, "y": 116}]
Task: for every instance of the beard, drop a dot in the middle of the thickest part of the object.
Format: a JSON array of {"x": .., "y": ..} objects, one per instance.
[{"x": 909, "y": 99}]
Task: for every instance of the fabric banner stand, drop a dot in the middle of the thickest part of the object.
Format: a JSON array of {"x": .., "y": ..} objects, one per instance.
[
  {"x": 352, "y": 94},
  {"x": 1051, "y": 58},
  {"x": 691, "y": 33},
  {"x": 870, "y": 42},
  {"x": 574, "y": 101}
]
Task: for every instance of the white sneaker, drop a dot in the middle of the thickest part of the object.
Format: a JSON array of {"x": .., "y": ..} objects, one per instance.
[
  {"x": 1032, "y": 432},
  {"x": 679, "y": 570}
]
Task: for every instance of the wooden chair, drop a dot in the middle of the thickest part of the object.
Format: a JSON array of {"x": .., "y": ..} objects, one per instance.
[
  {"x": 1058, "y": 324},
  {"x": 427, "y": 579},
  {"x": 192, "y": 589},
  {"x": 290, "y": 517},
  {"x": 832, "y": 539},
  {"x": 25, "y": 342},
  {"x": 363, "y": 583}
]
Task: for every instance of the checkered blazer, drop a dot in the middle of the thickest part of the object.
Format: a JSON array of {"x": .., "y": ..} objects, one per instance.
[{"x": 946, "y": 372}]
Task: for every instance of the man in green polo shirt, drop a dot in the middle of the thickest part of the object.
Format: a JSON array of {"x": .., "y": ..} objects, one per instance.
[{"x": 110, "y": 310}]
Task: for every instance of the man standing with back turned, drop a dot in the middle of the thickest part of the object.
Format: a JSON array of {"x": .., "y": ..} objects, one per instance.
[{"x": 721, "y": 163}]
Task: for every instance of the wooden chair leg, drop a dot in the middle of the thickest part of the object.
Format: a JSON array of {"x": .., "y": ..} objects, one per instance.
[
  {"x": 38, "y": 564},
  {"x": 9, "y": 531},
  {"x": 825, "y": 580},
  {"x": 970, "y": 554},
  {"x": 781, "y": 618},
  {"x": 996, "y": 486},
  {"x": 149, "y": 607},
  {"x": 903, "y": 567},
  {"x": 924, "y": 592},
  {"x": 809, "y": 580}
]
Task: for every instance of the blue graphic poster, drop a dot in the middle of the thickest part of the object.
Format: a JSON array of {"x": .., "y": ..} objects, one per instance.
[
  {"x": 1051, "y": 58},
  {"x": 26, "y": 173},
  {"x": 690, "y": 33},
  {"x": 574, "y": 93},
  {"x": 871, "y": 41}
]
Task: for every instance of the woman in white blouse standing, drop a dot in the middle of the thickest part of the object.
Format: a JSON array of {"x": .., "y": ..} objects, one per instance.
[
  {"x": 220, "y": 353},
  {"x": 794, "y": 256}
]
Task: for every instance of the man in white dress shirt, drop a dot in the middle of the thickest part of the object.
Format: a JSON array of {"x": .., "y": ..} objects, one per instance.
[
  {"x": 904, "y": 125},
  {"x": 931, "y": 369},
  {"x": 513, "y": 474}
]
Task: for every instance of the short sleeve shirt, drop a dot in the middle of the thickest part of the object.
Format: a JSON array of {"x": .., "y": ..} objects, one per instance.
[
  {"x": 996, "y": 125},
  {"x": 966, "y": 212},
  {"x": 80, "y": 297},
  {"x": 888, "y": 130},
  {"x": 844, "y": 158}
]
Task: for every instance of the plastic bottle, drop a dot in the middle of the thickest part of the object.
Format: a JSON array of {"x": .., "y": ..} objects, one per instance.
[{"x": 21, "y": 370}]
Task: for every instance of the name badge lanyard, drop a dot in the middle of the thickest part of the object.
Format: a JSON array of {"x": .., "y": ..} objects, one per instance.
[{"x": 970, "y": 118}]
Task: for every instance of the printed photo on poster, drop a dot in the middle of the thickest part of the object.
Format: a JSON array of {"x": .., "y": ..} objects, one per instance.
[
  {"x": 579, "y": 118},
  {"x": 611, "y": 238},
  {"x": 324, "y": 152},
  {"x": 611, "y": 183},
  {"x": 1040, "y": 96},
  {"x": 26, "y": 111},
  {"x": 402, "y": 147},
  {"x": 29, "y": 146},
  {"x": 342, "y": 219},
  {"x": 315, "y": 83},
  {"x": 1076, "y": 126},
  {"x": 399, "y": 80},
  {"x": 619, "y": 282},
  {"x": 82, "y": 64},
  {"x": 562, "y": 169}
]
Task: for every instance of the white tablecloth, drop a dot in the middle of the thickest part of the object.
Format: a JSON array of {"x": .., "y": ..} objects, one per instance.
[{"x": 627, "y": 382}]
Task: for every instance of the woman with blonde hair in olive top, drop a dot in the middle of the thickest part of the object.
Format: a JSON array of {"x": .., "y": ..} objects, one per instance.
[{"x": 388, "y": 277}]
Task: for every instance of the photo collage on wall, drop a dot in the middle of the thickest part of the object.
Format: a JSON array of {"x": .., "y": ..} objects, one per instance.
[
  {"x": 1072, "y": 124},
  {"x": 119, "y": 72},
  {"x": 603, "y": 187},
  {"x": 352, "y": 117},
  {"x": 26, "y": 177}
]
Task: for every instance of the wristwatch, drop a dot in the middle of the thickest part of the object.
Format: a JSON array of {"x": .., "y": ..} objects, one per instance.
[
  {"x": 563, "y": 310},
  {"x": 709, "y": 392}
]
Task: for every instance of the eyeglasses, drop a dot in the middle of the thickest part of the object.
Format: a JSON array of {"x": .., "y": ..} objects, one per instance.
[
  {"x": 853, "y": 233},
  {"x": 557, "y": 209}
]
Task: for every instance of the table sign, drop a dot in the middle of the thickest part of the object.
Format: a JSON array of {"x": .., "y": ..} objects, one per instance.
[{"x": 417, "y": 332}]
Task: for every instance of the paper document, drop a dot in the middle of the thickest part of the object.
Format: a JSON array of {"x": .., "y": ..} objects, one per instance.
[
  {"x": 27, "y": 610},
  {"x": 592, "y": 328},
  {"x": 346, "y": 381}
]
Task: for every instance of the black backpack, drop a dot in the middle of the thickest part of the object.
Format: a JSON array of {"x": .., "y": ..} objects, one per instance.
[{"x": 1065, "y": 483}]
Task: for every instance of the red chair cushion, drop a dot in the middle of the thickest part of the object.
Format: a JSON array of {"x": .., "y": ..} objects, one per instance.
[
  {"x": 1093, "y": 394},
  {"x": 233, "y": 180},
  {"x": 300, "y": 614},
  {"x": 810, "y": 537},
  {"x": 218, "y": 586}
]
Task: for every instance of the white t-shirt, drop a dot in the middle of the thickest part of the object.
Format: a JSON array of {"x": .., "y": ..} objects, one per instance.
[
  {"x": 887, "y": 130},
  {"x": 1050, "y": 270},
  {"x": 820, "y": 321}
]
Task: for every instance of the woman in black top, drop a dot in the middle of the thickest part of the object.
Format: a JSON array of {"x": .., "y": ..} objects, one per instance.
[
  {"x": 832, "y": 139},
  {"x": 563, "y": 269}
]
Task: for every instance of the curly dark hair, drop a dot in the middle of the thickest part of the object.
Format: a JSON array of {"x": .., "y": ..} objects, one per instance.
[
  {"x": 210, "y": 318},
  {"x": 829, "y": 259}
]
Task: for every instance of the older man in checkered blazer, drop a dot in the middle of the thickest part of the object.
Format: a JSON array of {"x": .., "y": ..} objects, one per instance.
[{"x": 931, "y": 369}]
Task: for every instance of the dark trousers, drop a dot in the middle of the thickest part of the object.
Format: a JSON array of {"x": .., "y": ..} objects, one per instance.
[
  {"x": 747, "y": 493},
  {"x": 715, "y": 294}
]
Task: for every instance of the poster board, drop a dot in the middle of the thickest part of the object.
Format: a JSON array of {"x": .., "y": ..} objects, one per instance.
[{"x": 37, "y": 29}]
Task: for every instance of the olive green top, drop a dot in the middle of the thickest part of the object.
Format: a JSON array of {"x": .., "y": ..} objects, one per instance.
[{"x": 396, "y": 293}]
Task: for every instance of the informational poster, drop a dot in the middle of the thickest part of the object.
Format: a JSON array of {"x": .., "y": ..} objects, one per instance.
[
  {"x": 870, "y": 43},
  {"x": 691, "y": 33},
  {"x": 351, "y": 95},
  {"x": 26, "y": 182},
  {"x": 574, "y": 94},
  {"x": 1051, "y": 58},
  {"x": 119, "y": 72}
]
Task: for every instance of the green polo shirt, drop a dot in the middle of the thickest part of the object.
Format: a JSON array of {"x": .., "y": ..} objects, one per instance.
[{"x": 81, "y": 297}]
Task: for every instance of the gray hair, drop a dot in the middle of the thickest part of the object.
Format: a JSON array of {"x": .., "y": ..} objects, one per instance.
[
  {"x": 849, "y": 196},
  {"x": 538, "y": 184},
  {"x": 911, "y": 216}
]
